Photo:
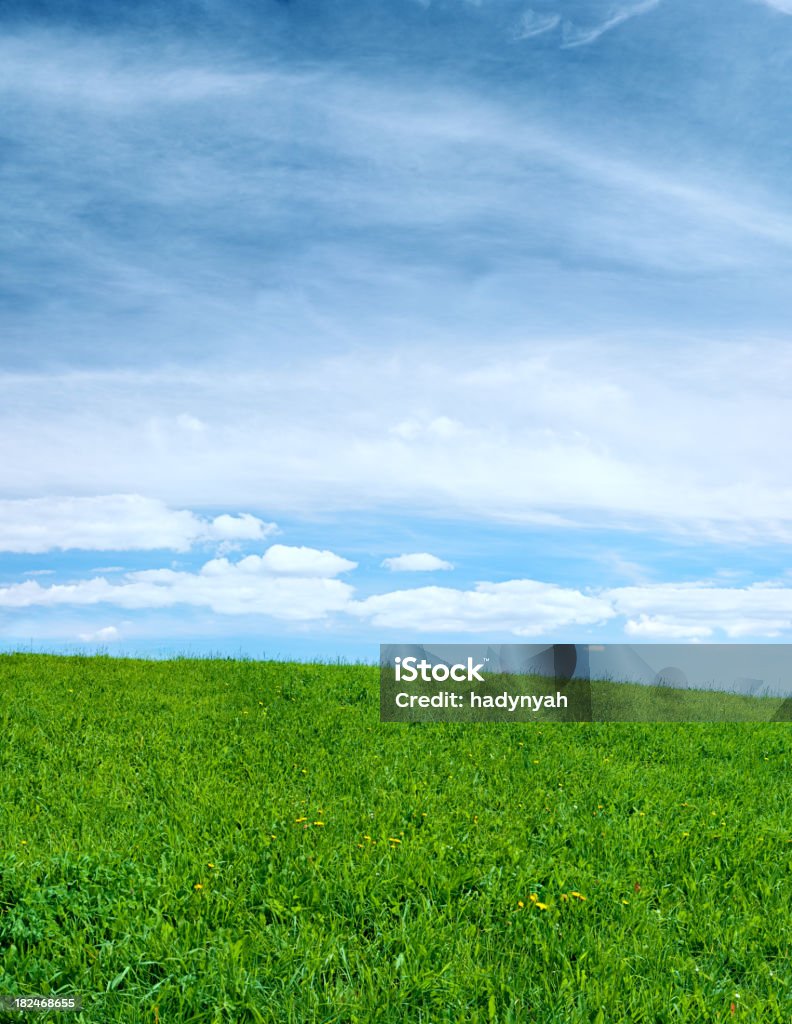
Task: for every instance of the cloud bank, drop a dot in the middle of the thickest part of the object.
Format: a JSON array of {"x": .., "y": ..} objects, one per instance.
[
  {"x": 298, "y": 584},
  {"x": 684, "y": 439}
]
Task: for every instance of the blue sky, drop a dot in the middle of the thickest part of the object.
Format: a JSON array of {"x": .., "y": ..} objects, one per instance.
[{"x": 293, "y": 289}]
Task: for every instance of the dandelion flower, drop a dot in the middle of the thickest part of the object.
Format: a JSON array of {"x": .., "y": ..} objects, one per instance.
[
  {"x": 578, "y": 896},
  {"x": 520, "y": 904},
  {"x": 319, "y": 823},
  {"x": 197, "y": 886},
  {"x": 298, "y": 820}
]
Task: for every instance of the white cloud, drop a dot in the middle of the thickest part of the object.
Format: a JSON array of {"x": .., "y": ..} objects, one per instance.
[
  {"x": 226, "y": 588},
  {"x": 522, "y": 607},
  {"x": 262, "y": 586},
  {"x": 701, "y": 609},
  {"x": 240, "y": 527},
  {"x": 676, "y": 439},
  {"x": 106, "y": 634},
  {"x": 659, "y": 627},
  {"x": 284, "y": 560},
  {"x": 417, "y": 562},
  {"x": 114, "y": 522}
]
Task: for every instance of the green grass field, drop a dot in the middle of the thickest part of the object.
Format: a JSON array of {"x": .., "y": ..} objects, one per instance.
[{"x": 245, "y": 842}]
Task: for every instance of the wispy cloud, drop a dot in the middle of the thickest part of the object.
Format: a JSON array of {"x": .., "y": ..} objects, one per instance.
[
  {"x": 191, "y": 202},
  {"x": 785, "y": 6},
  {"x": 535, "y": 23},
  {"x": 580, "y": 35}
]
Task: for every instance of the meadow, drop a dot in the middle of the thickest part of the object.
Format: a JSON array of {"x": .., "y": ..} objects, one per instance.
[{"x": 238, "y": 841}]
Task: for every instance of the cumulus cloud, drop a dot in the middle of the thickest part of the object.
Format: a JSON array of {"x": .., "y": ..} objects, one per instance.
[
  {"x": 247, "y": 587},
  {"x": 119, "y": 522},
  {"x": 284, "y": 560},
  {"x": 420, "y": 561},
  {"x": 240, "y": 527},
  {"x": 298, "y": 584},
  {"x": 522, "y": 607}
]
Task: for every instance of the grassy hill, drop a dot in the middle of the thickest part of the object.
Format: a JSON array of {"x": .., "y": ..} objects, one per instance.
[{"x": 235, "y": 841}]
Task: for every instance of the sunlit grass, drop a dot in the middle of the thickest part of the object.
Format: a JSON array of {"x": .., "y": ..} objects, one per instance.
[{"x": 244, "y": 841}]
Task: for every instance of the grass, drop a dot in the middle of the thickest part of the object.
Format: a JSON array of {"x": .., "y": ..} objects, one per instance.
[{"x": 235, "y": 841}]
